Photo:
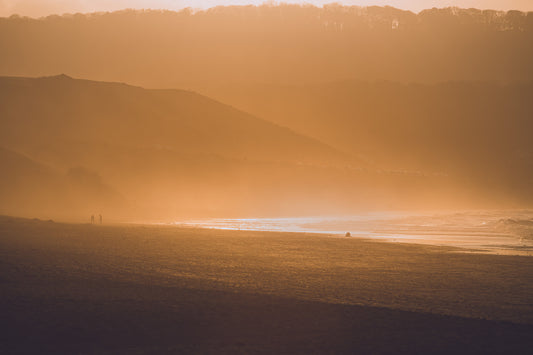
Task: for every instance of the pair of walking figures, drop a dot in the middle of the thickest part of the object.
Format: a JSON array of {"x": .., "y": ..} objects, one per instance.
[{"x": 99, "y": 217}]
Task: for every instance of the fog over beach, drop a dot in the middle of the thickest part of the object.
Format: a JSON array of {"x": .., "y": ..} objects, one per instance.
[{"x": 182, "y": 177}]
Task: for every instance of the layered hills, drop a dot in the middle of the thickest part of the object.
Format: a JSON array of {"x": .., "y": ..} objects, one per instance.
[
  {"x": 82, "y": 146},
  {"x": 162, "y": 150}
]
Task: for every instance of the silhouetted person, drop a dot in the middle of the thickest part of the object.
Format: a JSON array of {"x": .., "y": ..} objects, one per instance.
[
  {"x": 92, "y": 219},
  {"x": 100, "y": 216}
]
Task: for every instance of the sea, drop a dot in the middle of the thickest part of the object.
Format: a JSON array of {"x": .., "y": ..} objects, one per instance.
[{"x": 507, "y": 232}]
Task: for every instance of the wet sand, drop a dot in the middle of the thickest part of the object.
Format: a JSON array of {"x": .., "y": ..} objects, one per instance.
[{"x": 70, "y": 288}]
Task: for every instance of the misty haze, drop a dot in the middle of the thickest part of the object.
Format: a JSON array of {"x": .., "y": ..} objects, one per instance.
[{"x": 275, "y": 178}]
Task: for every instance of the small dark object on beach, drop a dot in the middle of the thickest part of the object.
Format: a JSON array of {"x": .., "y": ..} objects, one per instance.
[{"x": 348, "y": 234}]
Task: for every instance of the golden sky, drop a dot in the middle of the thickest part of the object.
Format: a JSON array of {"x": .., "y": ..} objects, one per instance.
[{"x": 36, "y": 8}]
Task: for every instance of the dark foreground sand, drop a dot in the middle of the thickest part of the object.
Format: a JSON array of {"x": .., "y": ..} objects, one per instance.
[{"x": 142, "y": 289}]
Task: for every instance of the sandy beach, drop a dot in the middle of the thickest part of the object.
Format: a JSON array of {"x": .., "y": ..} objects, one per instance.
[{"x": 72, "y": 288}]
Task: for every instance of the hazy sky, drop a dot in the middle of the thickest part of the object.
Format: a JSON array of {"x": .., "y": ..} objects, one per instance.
[{"x": 37, "y": 8}]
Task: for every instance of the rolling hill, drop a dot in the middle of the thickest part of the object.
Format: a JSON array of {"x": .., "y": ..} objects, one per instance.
[
  {"x": 477, "y": 133},
  {"x": 54, "y": 109}
]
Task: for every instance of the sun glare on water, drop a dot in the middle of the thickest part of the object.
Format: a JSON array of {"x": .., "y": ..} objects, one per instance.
[{"x": 478, "y": 232}]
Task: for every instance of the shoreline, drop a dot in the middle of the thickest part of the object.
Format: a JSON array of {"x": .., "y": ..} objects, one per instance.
[
  {"x": 467, "y": 240},
  {"x": 396, "y": 235}
]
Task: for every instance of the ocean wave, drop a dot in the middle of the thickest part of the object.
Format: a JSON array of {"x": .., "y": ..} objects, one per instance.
[{"x": 522, "y": 228}]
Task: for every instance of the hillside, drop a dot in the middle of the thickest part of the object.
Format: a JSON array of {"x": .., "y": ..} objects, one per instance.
[
  {"x": 52, "y": 110},
  {"x": 32, "y": 189},
  {"x": 285, "y": 44},
  {"x": 475, "y": 132},
  {"x": 24, "y": 182}
]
